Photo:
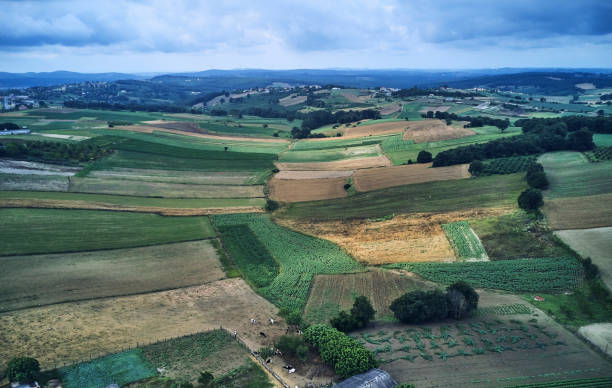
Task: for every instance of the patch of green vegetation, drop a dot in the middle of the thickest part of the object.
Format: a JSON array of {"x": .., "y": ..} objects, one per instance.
[
  {"x": 599, "y": 154},
  {"x": 517, "y": 235},
  {"x": 541, "y": 275},
  {"x": 573, "y": 383},
  {"x": 590, "y": 303},
  {"x": 249, "y": 375},
  {"x": 230, "y": 269},
  {"x": 308, "y": 145},
  {"x": 30, "y": 231},
  {"x": 508, "y": 165},
  {"x": 441, "y": 196},
  {"x": 330, "y": 154},
  {"x": 123, "y": 200},
  {"x": 463, "y": 240},
  {"x": 120, "y": 368},
  {"x": 410, "y": 111},
  {"x": 602, "y": 140},
  {"x": 570, "y": 175}
]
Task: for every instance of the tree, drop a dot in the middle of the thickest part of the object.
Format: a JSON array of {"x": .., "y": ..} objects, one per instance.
[
  {"x": 462, "y": 299},
  {"x": 22, "y": 370},
  {"x": 530, "y": 199},
  {"x": 476, "y": 167},
  {"x": 424, "y": 157},
  {"x": 362, "y": 311},
  {"x": 581, "y": 140},
  {"x": 420, "y": 306},
  {"x": 271, "y": 205},
  {"x": 293, "y": 345},
  {"x": 344, "y": 322},
  {"x": 537, "y": 180},
  {"x": 206, "y": 379}
]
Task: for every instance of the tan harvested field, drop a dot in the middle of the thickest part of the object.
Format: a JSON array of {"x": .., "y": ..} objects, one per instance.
[
  {"x": 174, "y": 176},
  {"x": 591, "y": 211},
  {"x": 85, "y": 205},
  {"x": 70, "y": 332},
  {"x": 595, "y": 243},
  {"x": 415, "y": 237},
  {"x": 38, "y": 280},
  {"x": 434, "y": 109},
  {"x": 176, "y": 125},
  {"x": 535, "y": 357},
  {"x": 352, "y": 97},
  {"x": 291, "y": 100},
  {"x": 349, "y": 164},
  {"x": 391, "y": 108},
  {"x": 151, "y": 129},
  {"x": 288, "y": 174},
  {"x": 161, "y": 189},
  {"x": 291, "y": 190},
  {"x": 332, "y": 293},
  {"x": 599, "y": 334},
  {"x": 384, "y": 128},
  {"x": 382, "y": 177},
  {"x": 433, "y": 130}
]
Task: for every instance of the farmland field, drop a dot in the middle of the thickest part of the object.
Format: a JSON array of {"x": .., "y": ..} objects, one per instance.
[
  {"x": 433, "y": 130},
  {"x": 509, "y": 165},
  {"x": 441, "y": 196},
  {"x": 594, "y": 243},
  {"x": 520, "y": 275},
  {"x": 380, "y": 178},
  {"x": 570, "y": 175},
  {"x": 186, "y": 177},
  {"x": 578, "y": 212},
  {"x": 329, "y": 143},
  {"x": 332, "y": 293},
  {"x": 34, "y": 182},
  {"x": 298, "y": 190},
  {"x": 38, "y": 280},
  {"x": 464, "y": 241},
  {"x": 340, "y": 165},
  {"x": 301, "y": 257},
  {"x": 331, "y": 154},
  {"x": 51, "y": 230}
]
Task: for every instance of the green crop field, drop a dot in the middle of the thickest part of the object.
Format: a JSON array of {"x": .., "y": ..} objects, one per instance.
[
  {"x": 521, "y": 275},
  {"x": 124, "y": 200},
  {"x": 330, "y": 155},
  {"x": 441, "y": 196},
  {"x": 120, "y": 368},
  {"x": 411, "y": 112},
  {"x": 300, "y": 258},
  {"x": 571, "y": 175},
  {"x": 53, "y": 230},
  {"x": 509, "y": 165},
  {"x": 327, "y": 144},
  {"x": 602, "y": 140},
  {"x": 464, "y": 241},
  {"x": 599, "y": 154},
  {"x": 400, "y": 151},
  {"x": 594, "y": 382}
]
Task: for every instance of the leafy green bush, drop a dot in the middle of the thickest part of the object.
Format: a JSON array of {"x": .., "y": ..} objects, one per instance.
[
  {"x": 530, "y": 199},
  {"x": 424, "y": 157},
  {"x": 420, "y": 306},
  {"x": 271, "y": 205},
  {"x": 23, "y": 370},
  {"x": 360, "y": 316},
  {"x": 292, "y": 345},
  {"x": 462, "y": 300}
]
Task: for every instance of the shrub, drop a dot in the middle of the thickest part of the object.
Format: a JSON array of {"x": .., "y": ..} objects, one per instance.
[
  {"x": 292, "y": 317},
  {"x": 271, "y": 205},
  {"x": 530, "y": 199},
  {"x": 424, "y": 157},
  {"x": 347, "y": 186},
  {"x": 293, "y": 345},
  {"x": 344, "y": 322},
  {"x": 476, "y": 167},
  {"x": 266, "y": 352},
  {"x": 206, "y": 379},
  {"x": 420, "y": 306},
  {"x": 360, "y": 316},
  {"x": 536, "y": 177},
  {"x": 462, "y": 299},
  {"x": 22, "y": 370},
  {"x": 590, "y": 270}
]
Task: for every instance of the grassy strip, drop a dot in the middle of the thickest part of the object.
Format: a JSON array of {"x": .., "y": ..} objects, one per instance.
[
  {"x": 30, "y": 231},
  {"x": 521, "y": 275},
  {"x": 230, "y": 269},
  {"x": 441, "y": 196}
]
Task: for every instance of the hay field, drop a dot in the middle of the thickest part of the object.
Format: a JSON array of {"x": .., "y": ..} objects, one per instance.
[
  {"x": 349, "y": 164},
  {"x": 391, "y": 108},
  {"x": 571, "y": 175},
  {"x": 374, "y": 129},
  {"x": 595, "y": 243},
  {"x": 383, "y": 177},
  {"x": 151, "y": 129},
  {"x": 331, "y": 154},
  {"x": 291, "y": 100},
  {"x": 590, "y": 211},
  {"x": 332, "y": 293},
  {"x": 33, "y": 182},
  {"x": 38, "y": 280},
  {"x": 433, "y": 130},
  {"x": 161, "y": 189},
  {"x": 175, "y": 176},
  {"x": 298, "y": 190},
  {"x": 414, "y": 237},
  {"x": 296, "y": 175},
  {"x": 74, "y": 331},
  {"x": 354, "y": 95}
]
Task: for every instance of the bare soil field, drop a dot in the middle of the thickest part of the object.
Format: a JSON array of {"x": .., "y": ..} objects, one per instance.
[
  {"x": 292, "y": 190},
  {"x": 177, "y": 125},
  {"x": 64, "y": 137},
  {"x": 22, "y": 167},
  {"x": 151, "y": 129},
  {"x": 85, "y": 205},
  {"x": 491, "y": 351},
  {"x": 162, "y": 189},
  {"x": 384, "y": 128},
  {"x": 296, "y": 175},
  {"x": 332, "y": 293},
  {"x": 578, "y": 212},
  {"x": 433, "y": 130},
  {"x": 33, "y": 182},
  {"x": 599, "y": 334},
  {"x": 38, "y": 280},
  {"x": 380, "y": 178},
  {"x": 416, "y": 237},
  {"x": 391, "y": 108},
  {"x": 594, "y": 243},
  {"x": 291, "y": 100},
  {"x": 175, "y": 176},
  {"x": 352, "y": 97},
  {"x": 350, "y": 164}
]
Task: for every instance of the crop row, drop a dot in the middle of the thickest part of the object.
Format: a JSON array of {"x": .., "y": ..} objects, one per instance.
[
  {"x": 599, "y": 154},
  {"x": 301, "y": 257},
  {"x": 464, "y": 241},
  {"x": 396, "y": 144},
  {"x": 508, "y": 165},
  {"x": 520, "y": 275},
  {"x": 327, "y": 144}
]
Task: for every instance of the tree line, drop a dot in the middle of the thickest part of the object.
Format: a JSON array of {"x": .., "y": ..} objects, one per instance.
[
  {"x": 53, "y": 151},
  {"x": 473, "y": 122}
]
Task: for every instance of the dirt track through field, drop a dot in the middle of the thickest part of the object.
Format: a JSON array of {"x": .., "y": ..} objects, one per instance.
[
  {"x": 349, "y": 164},
  {"x": 404, "y": 238},
  {"x": 298, "y": 190},
  {"x": 434, "y": 130},
  {"x": 84, "y": 205},
  {"x": 151, "y": 129},
  {"x": 380, "y": 178}
]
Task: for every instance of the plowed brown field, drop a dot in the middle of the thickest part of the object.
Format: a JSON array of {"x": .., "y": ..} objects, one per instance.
[
  {"x": 433, "y": 130},
  {"x": 384, "y": 128},
  {"x": 406, "y": 238},
  {"x": 579, "y": 212},
  {"x": 287, "y": 174},
  {"x": 349, "y": 164},
  {"x": 290, "y": 190},
  {"x": 382, "y": 177},
  {"x": 150, "y": 129}
]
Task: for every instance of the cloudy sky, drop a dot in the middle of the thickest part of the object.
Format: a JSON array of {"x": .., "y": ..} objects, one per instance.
[{"x": 189, "y": 35}]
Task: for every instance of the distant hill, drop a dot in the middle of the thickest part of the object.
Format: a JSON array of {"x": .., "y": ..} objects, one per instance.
[{"x": 26, "y": 80}]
